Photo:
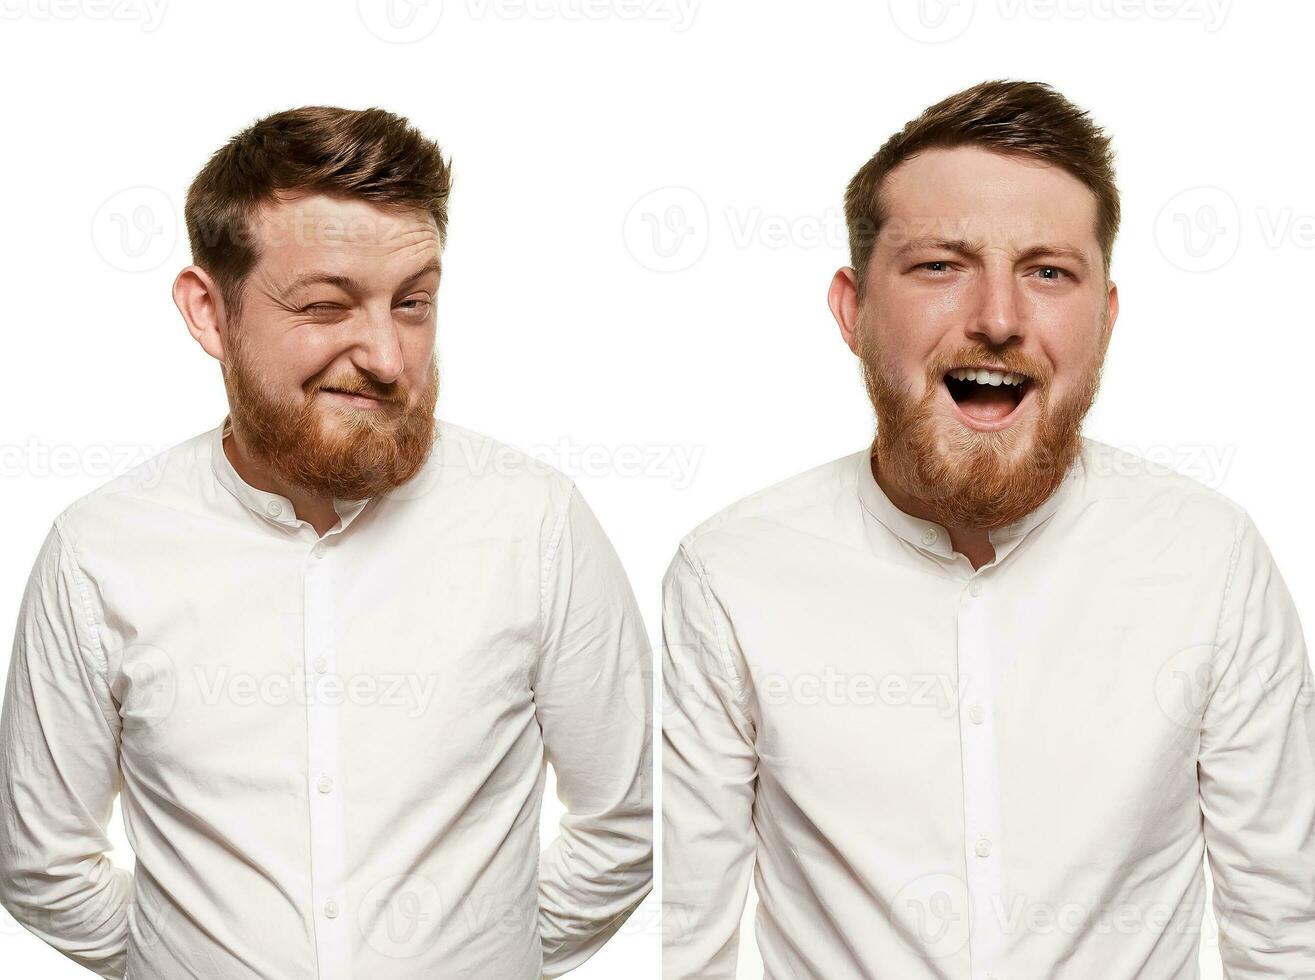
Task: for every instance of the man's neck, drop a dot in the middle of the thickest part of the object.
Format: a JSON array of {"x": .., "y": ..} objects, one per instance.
[
  {"x": 319, "y": 511},
  {"x": 972, "y": 542}
]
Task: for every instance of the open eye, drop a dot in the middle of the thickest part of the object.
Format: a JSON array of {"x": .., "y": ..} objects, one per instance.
[
  {"x": 943, "y": 263},
  {"x": 1058, "y": 274}
]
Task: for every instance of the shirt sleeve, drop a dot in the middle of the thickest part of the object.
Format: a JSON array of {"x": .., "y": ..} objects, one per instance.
[
  {"x": 59, "y": 743},
  {"x": 709, "y": 774},
  {"x": 593, "y": 697},
  {"x": 1256, "y": 771}
]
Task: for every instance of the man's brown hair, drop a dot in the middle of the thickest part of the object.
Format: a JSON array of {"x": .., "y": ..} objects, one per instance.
[
  {"x": 369, "y": 154},
  {"x": 1025, "y": 118}
]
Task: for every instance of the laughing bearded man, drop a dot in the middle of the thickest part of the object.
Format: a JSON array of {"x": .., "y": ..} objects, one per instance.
[
  {"x": 326, "y": 649},
  {"x": 976, "y": 702}
]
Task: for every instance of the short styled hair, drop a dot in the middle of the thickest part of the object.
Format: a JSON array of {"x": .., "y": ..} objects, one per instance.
[
  {"x": 368, "y": 154},
  {"x": 1025, "y": 118}
]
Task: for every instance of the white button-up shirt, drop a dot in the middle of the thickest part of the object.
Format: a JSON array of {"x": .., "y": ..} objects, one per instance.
[
  {"x": 331, "y": 749},
  {"x": 1011, "y": 773}
]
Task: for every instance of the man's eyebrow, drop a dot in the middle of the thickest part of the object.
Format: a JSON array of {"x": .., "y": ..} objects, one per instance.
[
  {"x": 1059, "y": 250},
  {"x": 944, "y": 244},
  {"x": 1056, "y": 249},
  {"x": 347, "y": 283},
  {"x": 433, "y": 266}
]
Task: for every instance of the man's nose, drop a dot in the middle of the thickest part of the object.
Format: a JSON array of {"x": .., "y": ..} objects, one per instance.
[
  {"x": 995, "y": 321},
  {"x": 378, "y": 348}
]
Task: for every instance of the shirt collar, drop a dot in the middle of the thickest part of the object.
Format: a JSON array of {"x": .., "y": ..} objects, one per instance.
[
  {"x": 271, "y": 506},
  {"x": 931, "y": 537}
]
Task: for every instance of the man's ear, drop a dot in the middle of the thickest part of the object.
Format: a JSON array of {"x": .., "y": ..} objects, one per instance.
[
  {"x": 842, "y": 297},
  {"x": 199, "y": 300},
  {"x": 1113, "y": 300}
]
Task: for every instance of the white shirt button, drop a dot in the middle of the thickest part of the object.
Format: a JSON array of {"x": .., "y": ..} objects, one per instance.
[
  {"x": 331, "y": 909},
  {"x": 929, "y": 535},
  {"x": 975, "y": 588},
  {"x": 976, "y": 714},
  {"x": 324, "y": 784},
  {"x": 320, "y": 665},
  {"x": 319, "y": 549},
  {"x": 983, "y": 848},
  {"x": 274, "y": 508}
]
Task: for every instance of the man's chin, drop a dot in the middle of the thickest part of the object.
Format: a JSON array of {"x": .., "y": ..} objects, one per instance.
[{"x": 348, "y": 475}]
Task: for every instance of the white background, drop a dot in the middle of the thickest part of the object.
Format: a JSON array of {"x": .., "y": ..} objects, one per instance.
[{"x": 646, "y": 214}]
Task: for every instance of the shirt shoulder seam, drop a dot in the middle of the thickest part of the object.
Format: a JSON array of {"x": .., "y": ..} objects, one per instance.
[
  {"x": 733, "y": 674},
  {"x": 1230, "y": 577},
  {"x": 84, "y": 594},
  {"x": 551, "y": 551}
]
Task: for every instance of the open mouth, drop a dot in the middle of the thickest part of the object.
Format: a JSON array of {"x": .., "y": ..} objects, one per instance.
[{"x": 987, "y": 399}]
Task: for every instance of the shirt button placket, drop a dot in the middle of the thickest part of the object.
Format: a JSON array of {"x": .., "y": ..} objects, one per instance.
[
  {"x": 324, "y": 704},
  {"x": 981, "y": 785}
]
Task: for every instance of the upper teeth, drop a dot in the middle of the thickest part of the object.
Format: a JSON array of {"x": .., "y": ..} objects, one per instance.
[{"x": 985, "y": 377}]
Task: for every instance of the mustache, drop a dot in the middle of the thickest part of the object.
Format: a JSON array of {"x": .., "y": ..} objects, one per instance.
[
  {"x": 976, "y": 357},
  {"x": 358, "y": 388}
]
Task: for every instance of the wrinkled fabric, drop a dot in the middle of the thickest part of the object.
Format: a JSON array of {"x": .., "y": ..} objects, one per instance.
[
  {"x": 1012, "y": 773},
  {"x": 331, "y": 750}
]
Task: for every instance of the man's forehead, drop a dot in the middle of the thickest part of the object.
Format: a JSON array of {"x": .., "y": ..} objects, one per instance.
[
  {"x": 320, "y": 223},
  {"x": 972, "y": 194}
]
